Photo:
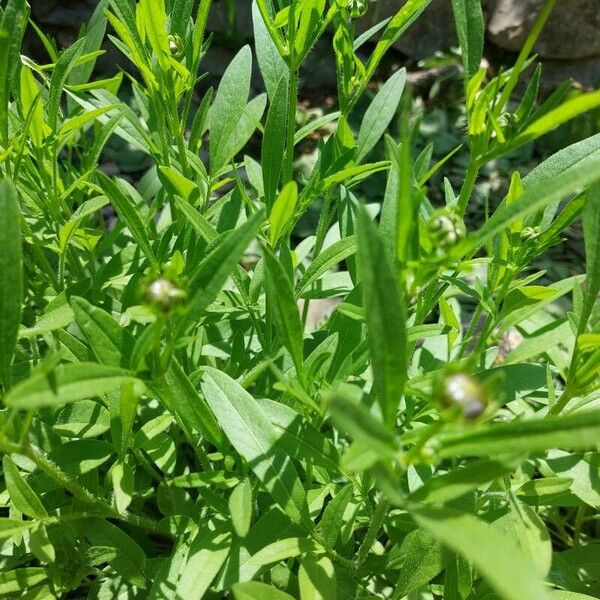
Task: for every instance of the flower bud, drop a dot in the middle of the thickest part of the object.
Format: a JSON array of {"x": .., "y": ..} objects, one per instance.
[
  {"x": 463, "y": 391},
  {"x": 163, "y": 295},
  {"x": 529, "y": 233},
  {"x": 175, "y": 45},
  {"x": 446, "y": 228},
  {"x": 357, "y": 8}
]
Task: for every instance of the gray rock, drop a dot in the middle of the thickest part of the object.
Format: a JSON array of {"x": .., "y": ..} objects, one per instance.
[
  {"x": 433, "y": 31},
  {"x": 572, "y": 31}
]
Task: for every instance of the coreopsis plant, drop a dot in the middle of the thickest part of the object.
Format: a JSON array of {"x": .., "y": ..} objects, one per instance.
[{"x": 172, "y": 429}]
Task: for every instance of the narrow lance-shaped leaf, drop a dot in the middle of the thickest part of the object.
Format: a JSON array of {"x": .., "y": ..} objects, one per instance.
[
  {"x": 492, "y": 553},
  {"x": 385, "y": 310},
  {"x": 273, "y": 145},
  {"x": 535, "y": 198},
  {"x": 228, "y": 108},
  {"x": 283, "y": 211},
  {"x": 576, "y": 431},
  {"x": 285, "y": 310},
  {"x": 380, "y": 114},
  {"x": 591, "y": 229},
  {"x": 468, "y": 17},
  {"x": 211, "y": 274},
  {"x": 23, "y": 498},
  {"x": 251, "y": 433},
  {"x": 67, "y": 383},
  {"x": 11, "y": 276},
  {"x": 129, "y": 213}
]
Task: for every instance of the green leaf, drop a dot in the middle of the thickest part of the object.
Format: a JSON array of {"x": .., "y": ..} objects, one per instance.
[
  {"x": 129, "y": 559},
  {"x": 354, "y": 418},
  {"x": 316, "y": 579},
  {"x": 129, "y": 213},
  {"x": 536, "y": 197},
  {"x": 110, "y": 343},
  {"x": 324, "y": 261},
  {"x": 152, "y": 15},
  {"x": 272, "y": 66},
  {"x": 211, "y": 274},
  {"x": 379, "y": 115},
  {"x": 183, "y": 401},
  {"x": 280, "y": 294},
  {"x": 332, "y": 520},
  {"x": 565, "y": 112},
  {"x": 229, "y": 108},
  {"x": 397, "y": 25},
  {"x": 591, "y": 227},
  {"x": 19, "y": 580},
  {"x": 385, "y": 310},
  {"x": 240, "y": 507},
  {"x": 13, "y": 527},
  {"x": 283, "y": 549},
  {"x": 493, "y": 554},
  {"x": 41, "y": 545},
  {"x": 63, "y": 67},
  {"x": 206, "y": 556},
  {"x": 176, "y": 184},
  {"x": 67, "y": 383},
  {"x": 283, "y": 211},
  {"x": 251, "y": 433},
  {"x": 576, "y": 431},
  {"x": 273, "y": 148},
  {"x": 81, "y": 456},
  {"x": 254, "y": 590},
  {"x": 298, "y": 438},
  {"x": 454, "y": 484},
  {"x": 11, "y": 276},
  {"x": 23, "y": 498},
  {"x": 468, "y": 17},
  {"x": 82, "y": 419},
  {"x": 420, "y": 558}
]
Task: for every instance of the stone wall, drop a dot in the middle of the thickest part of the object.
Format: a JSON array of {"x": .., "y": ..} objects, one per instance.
[{"x": 569, "y": 46}]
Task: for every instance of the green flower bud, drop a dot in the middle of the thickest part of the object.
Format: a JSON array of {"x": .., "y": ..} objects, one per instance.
[
  {"x": 163, "y": 295},
  {"x": 175, "y": 45},
  {"x": 463, "y": 391},
  {"x": 446, "y": 228},
  {"x": 529, "y": 233},
  {"x": 357, "y": 8}
]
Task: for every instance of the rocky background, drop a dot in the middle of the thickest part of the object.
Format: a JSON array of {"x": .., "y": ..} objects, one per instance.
[{"x": 569, "y": 46}]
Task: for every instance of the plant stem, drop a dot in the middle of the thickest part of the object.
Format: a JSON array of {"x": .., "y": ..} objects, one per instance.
[
  {"x": 83, "y": 495},
  {"x": 288, "y": 169},
  {"x": 468, "y": 186}
]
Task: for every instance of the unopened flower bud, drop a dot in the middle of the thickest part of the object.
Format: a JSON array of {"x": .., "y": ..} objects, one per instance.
[
  {"x": 446, "y": 228},
  {"x": 465, "y": 392},
  {"x": 175, "y": 45},
  {"x": 164, "y": 295},
  {"x": 357, "y": 8},
  {"x": 529, "y": 233}
]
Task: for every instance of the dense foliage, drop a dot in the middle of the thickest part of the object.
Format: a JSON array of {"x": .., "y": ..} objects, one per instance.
[{"x": 172, "y": 428}]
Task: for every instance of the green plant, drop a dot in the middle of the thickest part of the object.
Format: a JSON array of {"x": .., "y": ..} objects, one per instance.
[{"x": 169, "y": 430}]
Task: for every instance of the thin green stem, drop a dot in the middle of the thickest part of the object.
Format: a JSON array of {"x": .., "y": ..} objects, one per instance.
[
  {"x": 288, "y": 170},
  {"x": 82, "y": 494}
]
